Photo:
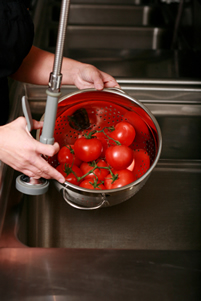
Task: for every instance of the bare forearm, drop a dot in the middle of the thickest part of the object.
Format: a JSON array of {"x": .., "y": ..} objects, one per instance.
[{"x": 38, "y": 64}]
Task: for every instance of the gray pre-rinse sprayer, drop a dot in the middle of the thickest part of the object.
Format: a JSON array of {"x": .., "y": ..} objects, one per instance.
[{"x": 23, "y": 183}]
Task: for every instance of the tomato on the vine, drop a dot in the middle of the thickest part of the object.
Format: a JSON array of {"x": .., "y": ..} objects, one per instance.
[
  {"x": 67, "y": 155},
  {"x": 103, "y": 138},
  {"x": 119, "y": 178},
  {"x": 88, "y": 149},
  {"x": 142, "y": 162},
  {"x": 141, "y": 129},
  {"x": 98, "y": 173},
  {"x": 92, "y": 184},
  {"x": 119, "y": 156},
  {"x": 71, "y": 173},
  {"x": 124, "y": 132}
]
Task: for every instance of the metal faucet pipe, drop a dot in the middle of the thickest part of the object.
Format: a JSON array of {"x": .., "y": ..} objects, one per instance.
[
  {"x": 53, "y": 91},
  {"x": 61, "y": 36}
]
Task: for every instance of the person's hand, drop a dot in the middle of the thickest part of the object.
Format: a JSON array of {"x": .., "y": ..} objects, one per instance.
[
  {"x": 86, "y": 76},
  {"x": 22, "y": 152},
  {"x": 37, "y": 65}
]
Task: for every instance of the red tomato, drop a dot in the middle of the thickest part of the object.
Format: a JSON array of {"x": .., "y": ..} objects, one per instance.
[
  {"x": 142, "y": 130},
  {"x": 142, "y": 162},
  {"x": 70, "y": 172},
  {"x": 137, "y": 122},
  {"x": 102, "y": 137},
  {"x": 123, "y": 177},
  {"x": 124, "y": 133},
  {"x": 67, "y": 155},
  {"x": 92, "y": 184},
  {"x": 88, "y": 149},
  {"x": 119, "y": 156},
  {"x": 98, "y": 173}
]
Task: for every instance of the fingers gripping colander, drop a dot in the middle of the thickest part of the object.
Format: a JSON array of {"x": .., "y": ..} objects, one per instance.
[{"x": 103, "y": 109}]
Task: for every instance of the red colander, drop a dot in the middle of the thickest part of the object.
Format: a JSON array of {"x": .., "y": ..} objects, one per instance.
[{"x": 86, "y": 110}]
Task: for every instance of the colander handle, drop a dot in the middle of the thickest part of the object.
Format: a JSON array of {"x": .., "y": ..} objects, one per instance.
[{"x": 102, "y": 203}]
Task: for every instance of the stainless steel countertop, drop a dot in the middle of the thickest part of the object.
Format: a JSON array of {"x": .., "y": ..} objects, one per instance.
[{"x": 72, "y": 274}]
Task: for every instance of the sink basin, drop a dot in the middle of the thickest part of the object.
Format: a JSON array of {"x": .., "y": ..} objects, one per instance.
[{"x": 163, "y": 215}]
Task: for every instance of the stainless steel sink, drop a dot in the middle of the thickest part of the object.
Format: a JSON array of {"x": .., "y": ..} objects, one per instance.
[{"x": 163, "y": 215}]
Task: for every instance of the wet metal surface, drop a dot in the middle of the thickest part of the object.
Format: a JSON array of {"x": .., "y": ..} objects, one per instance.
[
  {"x": 164, "y": 215},
  {"x": 88, "y": 275}
]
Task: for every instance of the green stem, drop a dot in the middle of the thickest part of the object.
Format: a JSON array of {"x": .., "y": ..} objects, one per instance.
[
  {"x": 114, "y": 177},
  {"x": 68, "y": 169},
  {"x": 95, "y": 183},
  {"x": 91, "y": 171},
  {"x": 102, "y": 131},
  {"x": 70, "y": 149},
  {"x": 89, "y": 136}
]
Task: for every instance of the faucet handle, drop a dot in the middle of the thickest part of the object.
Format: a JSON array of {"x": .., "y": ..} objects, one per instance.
[{"x": 27, "y": 113}]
